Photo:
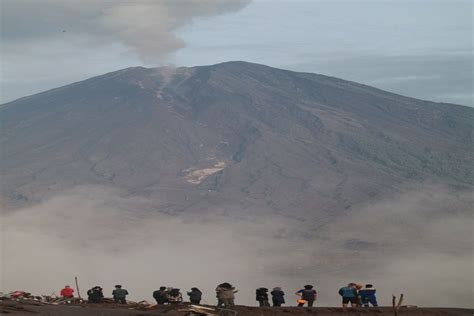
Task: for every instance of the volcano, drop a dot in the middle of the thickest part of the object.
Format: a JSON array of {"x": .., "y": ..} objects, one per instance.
[{"x": 237, "y": 136}]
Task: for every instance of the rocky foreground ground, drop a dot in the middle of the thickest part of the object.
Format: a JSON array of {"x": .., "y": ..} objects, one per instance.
[{"x": 17, "y": 309}]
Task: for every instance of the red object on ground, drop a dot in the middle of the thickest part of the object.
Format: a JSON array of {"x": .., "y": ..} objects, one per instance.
[{"x": 17, "y": 294}]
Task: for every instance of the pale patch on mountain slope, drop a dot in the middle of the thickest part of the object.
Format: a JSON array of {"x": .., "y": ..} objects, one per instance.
[{"x": 199, "y": 175}]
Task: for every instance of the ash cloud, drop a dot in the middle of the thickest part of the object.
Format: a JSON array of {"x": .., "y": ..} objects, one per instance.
[
  {"x": 418, "y": 243},
  {"x": 147, "y": 27}
]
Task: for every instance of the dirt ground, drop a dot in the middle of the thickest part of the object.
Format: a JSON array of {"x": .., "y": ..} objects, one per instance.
[{"x": 16, "y": 309}]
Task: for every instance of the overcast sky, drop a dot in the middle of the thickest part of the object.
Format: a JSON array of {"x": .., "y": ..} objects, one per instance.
[{"x": 413, "y": 47}]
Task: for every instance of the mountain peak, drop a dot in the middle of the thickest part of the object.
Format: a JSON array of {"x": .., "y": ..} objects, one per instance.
[{"x": 233, "y": 132}]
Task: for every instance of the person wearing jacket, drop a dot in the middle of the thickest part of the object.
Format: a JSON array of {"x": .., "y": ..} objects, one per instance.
[
  {"x": 95, "y": 295},
  {"x": 226, "y": 294},
  {"x": 349, "y": 294},
  {"x": 195, "y": 296},
  {"x": 160, "y": 295},
  {"x": 120, "y": 295},
  {"x": 367, "y": 295},
  {"x": 67, "y": 292},
  {"x": 308, "y": 295},
  {"x": 278, "y": 297},
  {"x": 262, "y": 296}
]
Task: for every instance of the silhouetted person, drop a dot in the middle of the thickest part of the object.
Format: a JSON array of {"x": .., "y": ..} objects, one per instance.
[
  {"x": 160, "y": 295},
  {"x": 261, "y": 295},
  {"x": 120, "y": 295},
  {"x": 67, "y": 292},
  {"x": 174, "y": 296},
  {"x": 349, "y": 294},
  {"x": 195, "y": 296},
  {"x": 226, "y": 294},
  {"x": 308, "y": 295},
  {"x": 367, "y": 295},
  {"x": 95, "y": 295},
  {"x": 278, "y": 297}
]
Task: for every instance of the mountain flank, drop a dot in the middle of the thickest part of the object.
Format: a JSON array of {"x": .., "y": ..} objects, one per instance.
[{"x": 236, "y": 136}]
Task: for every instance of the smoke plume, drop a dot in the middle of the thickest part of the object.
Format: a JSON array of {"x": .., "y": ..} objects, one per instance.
[{"x": 147, "y": 27}]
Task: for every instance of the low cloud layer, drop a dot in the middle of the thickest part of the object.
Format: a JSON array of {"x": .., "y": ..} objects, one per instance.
[{"x": 418, "y": 243}]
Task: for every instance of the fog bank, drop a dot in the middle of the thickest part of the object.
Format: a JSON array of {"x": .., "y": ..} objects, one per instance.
[{"x": 418, "y": 243}]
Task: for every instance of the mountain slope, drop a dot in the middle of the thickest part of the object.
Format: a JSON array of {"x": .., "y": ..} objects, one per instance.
[{"x": 235, "y": 137}]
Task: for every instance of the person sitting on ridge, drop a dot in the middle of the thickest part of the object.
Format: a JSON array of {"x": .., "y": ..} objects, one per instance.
[
  {"x": 367, "y": 295},
  {"x": 174, "y": 296},
  {"x": 120, "y": 295},
  {"x": 160, "y": 295},
  {"x": 308, "y": 295},
  {"x": 67, "y": 292},
  {"x": 195, "y": 296},
  {"x": 95, "y": 295}
]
